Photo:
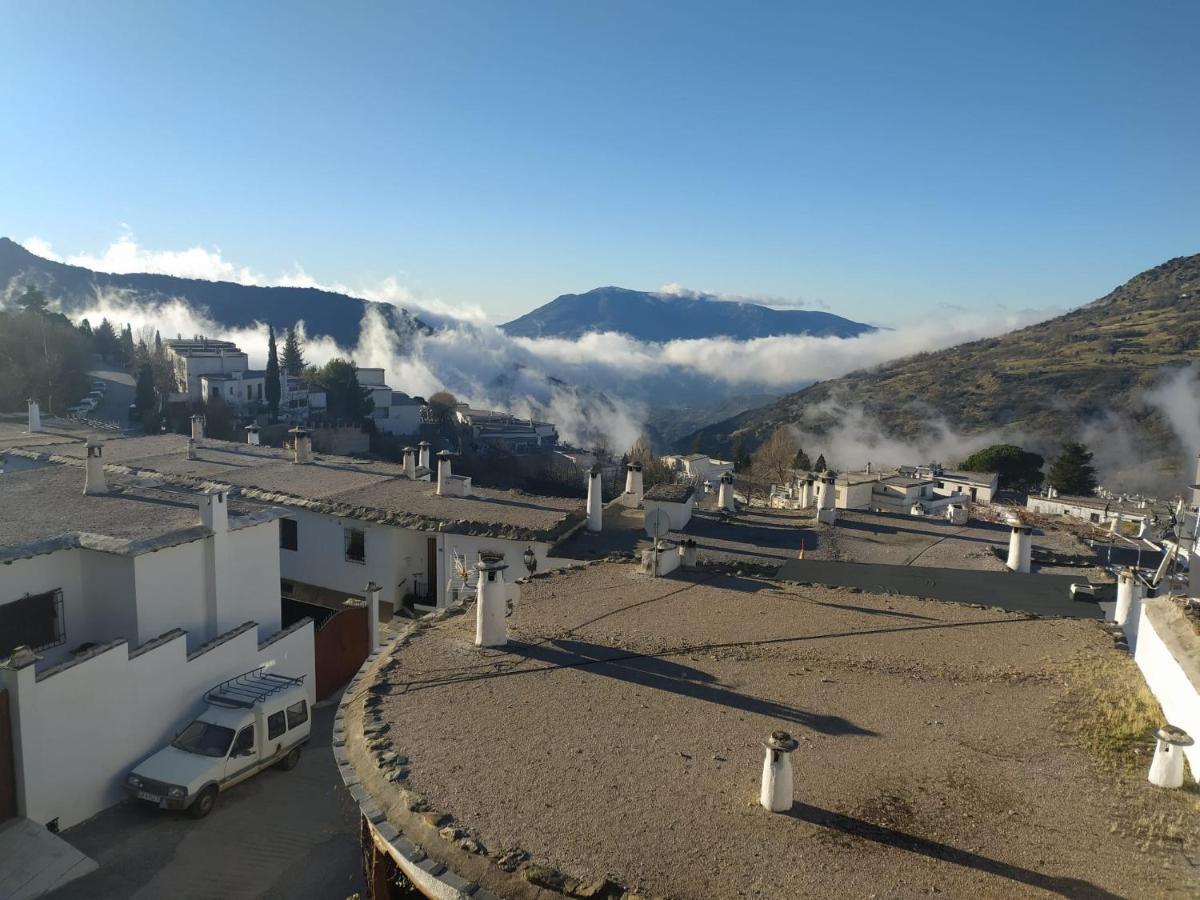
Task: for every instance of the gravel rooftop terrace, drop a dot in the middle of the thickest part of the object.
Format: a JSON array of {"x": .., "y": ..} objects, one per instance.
[
  {"x": 352, "y": 484},
  {"x": 618, "y": 736},
  {"x": 44, "y": 503}
]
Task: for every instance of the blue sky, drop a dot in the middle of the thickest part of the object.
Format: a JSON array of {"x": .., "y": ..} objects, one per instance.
[{"x": 884, "y": 159}]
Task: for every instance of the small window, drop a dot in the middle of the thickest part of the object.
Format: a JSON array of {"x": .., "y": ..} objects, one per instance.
[
  {"x": 1095, "y": 517},
  {"x": 244, "y": 743},
  {"x": 275, "y": 725},
  {"x": 297, "y": 714},
  {"x": 35, "y": 620},
  {"x": 356, "y": 545},
  {"x": 289, "y": 534}
]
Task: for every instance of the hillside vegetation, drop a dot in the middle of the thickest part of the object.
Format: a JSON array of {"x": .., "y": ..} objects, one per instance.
[{"x": 1049, "y": 380}]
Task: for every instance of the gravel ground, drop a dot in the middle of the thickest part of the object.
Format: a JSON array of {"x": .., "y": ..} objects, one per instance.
[{"x": 618, "y": 735}]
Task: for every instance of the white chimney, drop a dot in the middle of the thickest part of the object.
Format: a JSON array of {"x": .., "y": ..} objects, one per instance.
[
  {"x": 633, "y": 484},
  {"x": 725, "y": 492},
  {"x": 806, "y": 498},
  {"x": 410, "y": 462},
  {"x": 443, "y": 471},
  {"x": 423, "y": 457},
  {"x": 191, "y": 448},
  {"x": 1166, "y": 768},
  {"x": 1196, "y": 484},
  {"x": 224, "y": 608},
  {"x": 491, "y": 603},
  {"x": 372, "y": 590},
  {"x": 94, "y": 482},
  {"x": 827, "y": 492},
  {"x": 776, "y": 792},
  {"x": 35, "y": 416},
  {"x": 301, "y": 446},
  {"x": 1129, "y": 591},
  {"x": 252, "y": 435},
  {"x": 1020, "y": 546},
  {"x": 197, "y": 427},
  {"x": 595, "y": 514},
  {"x": 868, "y": 467}
]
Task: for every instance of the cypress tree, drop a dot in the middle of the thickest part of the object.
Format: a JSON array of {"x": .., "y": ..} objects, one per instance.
[
  {"x": 293, "y": 354},
  {"x": 273, "y": 388},
  {"x": 1073, "y": 472}
]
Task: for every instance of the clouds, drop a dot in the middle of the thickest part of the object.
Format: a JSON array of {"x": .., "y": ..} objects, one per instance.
[{"x": 678, "y": 290}]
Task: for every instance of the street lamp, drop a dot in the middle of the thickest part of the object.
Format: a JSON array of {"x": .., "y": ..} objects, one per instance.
[{"x": 530, "y": 560}]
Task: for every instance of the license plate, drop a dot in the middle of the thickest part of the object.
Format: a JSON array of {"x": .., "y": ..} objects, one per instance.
[{"x": 146, "y": 795}]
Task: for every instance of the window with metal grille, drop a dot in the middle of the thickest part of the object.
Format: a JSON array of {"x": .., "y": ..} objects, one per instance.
[
  {"x": 35, "y": 620},
  {"x": 356, "y": 545}
]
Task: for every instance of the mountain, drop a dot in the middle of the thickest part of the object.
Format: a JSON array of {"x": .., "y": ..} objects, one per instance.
[
  {"x": 650, "y": 316},
  {"x": 233, "y": 305},
  {"x": 1095, "y": 372}
]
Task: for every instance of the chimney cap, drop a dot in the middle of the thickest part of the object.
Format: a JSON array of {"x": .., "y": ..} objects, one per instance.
[
  {"x": 21, "y": 657},
  {"x": 1173, "y": 734},
  {"x": 594, "y": 470},
  {"x": 781, "y": 741},
  {"x": 410, "y": 449},
  {"x": 443, "y": 454},
  {"x": 423, "y": 444},
  {"x": 253, "y": 426},
  {"x": 371, "y": 588},
  {"x": 491, "y": 562},
  {"x": 299, "y": 431}
]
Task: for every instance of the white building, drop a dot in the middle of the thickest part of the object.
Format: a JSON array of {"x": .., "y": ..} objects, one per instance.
[
  {"x": 350, "y": 521},
  {"x": 489, "y": 428},
  {"x": 1097, "y": 510},
  {"x": 193, "y": 358},
  {"x": 134, "y": 600},
  {"x": 697, "y": 466},
  {"x": 238, "y": 389}
]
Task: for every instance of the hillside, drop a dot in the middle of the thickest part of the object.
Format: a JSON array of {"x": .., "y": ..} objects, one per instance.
[
  {"x": 650, "y": 316},
  {"x": 1049, "y": 381},
  {"x": 233, "y": 305}
]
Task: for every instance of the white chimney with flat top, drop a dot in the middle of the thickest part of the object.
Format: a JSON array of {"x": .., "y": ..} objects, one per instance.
[
  {"x": 35, "y": 416},
  {"x": 595, "y": 513},
  {"x": 94, "y": 481}
]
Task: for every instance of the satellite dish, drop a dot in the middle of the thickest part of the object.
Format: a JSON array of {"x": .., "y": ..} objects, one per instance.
[{"x": 658, "y": 523}]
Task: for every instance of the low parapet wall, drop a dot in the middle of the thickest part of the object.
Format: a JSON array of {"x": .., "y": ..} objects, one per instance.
[{"x": 79, "y": 727}]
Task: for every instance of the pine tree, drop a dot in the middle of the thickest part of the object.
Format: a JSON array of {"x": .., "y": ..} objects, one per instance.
[
  {"x": 293, "y": 354},
  {"x": 1073, "y": 472},
  {"x": 85, "y": 328},
  {"x": 144, "y": 398},
  {"x": 803, "y": 463},
  {"x": 106, "y": 340},
  {"x": 127, "y": 350},
  {"x": 820, "y": 466},
  {"x": 157, "y": 341},
  {"x": 273, "y": 389}
]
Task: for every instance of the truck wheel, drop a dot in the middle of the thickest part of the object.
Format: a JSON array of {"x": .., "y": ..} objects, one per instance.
[
  {"x": 204, "y": 803},
  {"x": 289, "y": 762}
]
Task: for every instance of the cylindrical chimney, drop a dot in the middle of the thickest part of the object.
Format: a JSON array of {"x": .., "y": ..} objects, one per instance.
[
  {"x": 301, "y": 445},
  {"x": 197, "y": 427},
  {"x": 595, "y": 514},
  {"x": 638, "y": 485},
  {"x": 443, "y": 470},
  {"x": 410, "y": 462},
  {"x": 1129, "y": 591},
  {"x": 1020, "y": 547},
  {"x": 1166, "y": 768},
  {"x": 191, "y": 448},
  {"x": 776, "y": 794},
  {"x": 423, "y": 457},
  {"x": 491, "y": 603},
  {"x": 1196, "y": 484},
  {"x": 35, "y": 416},
  {"x": 827, "y": 494},
  {"x": 725, "y": 492},
  {"x": 94, "y": 482},
  {"x": 252, "y": 435}
]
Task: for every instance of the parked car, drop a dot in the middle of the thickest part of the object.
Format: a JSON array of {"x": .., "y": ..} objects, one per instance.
[
  {"x": 99, "y": 386},
  {"x": 256, "y": 720},
  {"x": 87, "y": 404}
]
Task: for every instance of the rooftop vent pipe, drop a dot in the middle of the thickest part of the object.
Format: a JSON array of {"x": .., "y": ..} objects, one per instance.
[
  {"x": 1166, "y": 769},
  {"x": 410, "y": 462},
  {"x": 35, "y": 416},
  {"x": 443, "y": 471},
  {"x": 777, "y": 772},
  {"x": 197, "y": 427},
  {"x": 491, "y": 603},
  {"x": 301, "y": 446},
  {"x": 1020, "y": 546},
  {"x": 423, "y": 455},
  {"x": 252, "y": 435},
  {"x": 725, "y": 492},
  {"x": 94, "y": 482},
  {"x": 595, "y": 515}
]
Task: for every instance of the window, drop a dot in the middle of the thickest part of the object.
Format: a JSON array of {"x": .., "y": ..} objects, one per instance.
[
  {"x": 275, "y": 725},
  {"x": 1095, "y": 517},
  {"x": 244, "y": 743},
  {"x": 35, "y": 620},
  {"x": 289, "y": 534},
  {"x": 204, "y": 739},
  {"x": 356, "y": 545},
  {"x": 297, "y": 714}
]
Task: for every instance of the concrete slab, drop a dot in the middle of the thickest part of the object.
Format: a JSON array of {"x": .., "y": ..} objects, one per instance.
[
  {"x": 34, "y": 861},
  {"x": 1044, "y": 595}
]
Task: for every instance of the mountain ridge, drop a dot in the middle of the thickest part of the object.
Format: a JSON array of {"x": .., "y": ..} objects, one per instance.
[
  {"x": 658, "y": 317},
  {"x": 1053, "y": 380},
  {"x": 328, "y": 313}
]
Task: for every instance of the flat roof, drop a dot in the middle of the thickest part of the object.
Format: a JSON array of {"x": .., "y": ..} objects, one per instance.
[
  {"x": 336, "y": 485},
  {"x": 618, "y": 736},
  {"x": 45, "y": 509},
  {"x": 665, "y": 492}
]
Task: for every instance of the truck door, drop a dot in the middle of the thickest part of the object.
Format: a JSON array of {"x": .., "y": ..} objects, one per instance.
[{"x": 243, "y": 755}]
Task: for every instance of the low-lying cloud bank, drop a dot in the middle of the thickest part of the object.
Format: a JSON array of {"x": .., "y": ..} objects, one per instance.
[{"x": 602, "y": 387}]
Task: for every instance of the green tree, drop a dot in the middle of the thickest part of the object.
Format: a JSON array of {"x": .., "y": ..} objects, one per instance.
[
  {"x": 820, "y": 466},
  {"x": 128, "y": 353},
  {"x": 802, "y": 462},
  {"x": 273, "y": 389},
  {"x": 293, "y": 354},
  {"x": 32, "y": 301},
  {"x": 741, "y": 456},
  {"x": 345, "y": 399},
  {"x": 144, "y": 396},
  {"x": 1073, "y": 472},
  {"x": 85, "y": 328},
  {"x": 1019, "y": 470},
  {"x": 106, "y": 340},
  {"x": 42, "y": 355},
  {"x": 157, "y": 341}
]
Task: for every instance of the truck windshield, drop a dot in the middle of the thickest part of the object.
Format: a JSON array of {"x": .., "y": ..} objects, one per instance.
[{"x": 204, "y": 738}]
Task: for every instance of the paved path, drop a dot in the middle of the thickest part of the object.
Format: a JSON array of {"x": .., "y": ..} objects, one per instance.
[
  {"x": 114, "y": 407},
  {"x": 278, "y": 835}
]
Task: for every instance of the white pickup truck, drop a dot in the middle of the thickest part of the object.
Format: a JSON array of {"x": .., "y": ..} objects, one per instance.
[{"x": 253, "y": 721}]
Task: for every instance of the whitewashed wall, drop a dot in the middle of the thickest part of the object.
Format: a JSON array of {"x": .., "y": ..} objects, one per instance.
[{"x": 78, "y": 731}]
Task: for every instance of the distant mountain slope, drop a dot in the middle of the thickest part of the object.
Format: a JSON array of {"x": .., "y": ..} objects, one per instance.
[
  {"x": 234, "y": 305},
  {"x": 1049, "y": 379},
  {"x": 650, "y": 316}
]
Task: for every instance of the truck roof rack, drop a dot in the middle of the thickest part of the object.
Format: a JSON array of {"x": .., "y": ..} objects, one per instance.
[{"x": 249, "y": 688}]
